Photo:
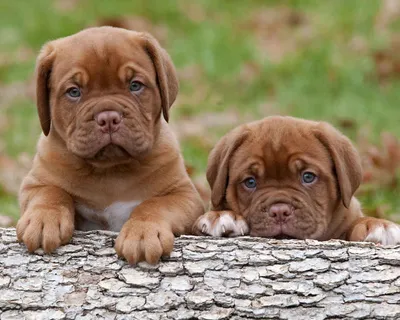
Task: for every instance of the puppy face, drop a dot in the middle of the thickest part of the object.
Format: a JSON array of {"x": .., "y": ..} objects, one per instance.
[
  {"x": 286, "y": 176},
  {"x": 103, "y": 91}
]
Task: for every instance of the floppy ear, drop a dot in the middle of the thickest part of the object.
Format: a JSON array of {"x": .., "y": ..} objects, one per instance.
[
  {"x": 218, "y": 165},
  {"x": 44, "y": 65},
  {"x": 167, "y": 78},
  {"x": 346, "y": 160}
]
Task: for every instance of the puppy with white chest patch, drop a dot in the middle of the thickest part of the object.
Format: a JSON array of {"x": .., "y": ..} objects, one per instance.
[
  {"x": 107, "y": 158},
  {"x": 283, "y": 177}
]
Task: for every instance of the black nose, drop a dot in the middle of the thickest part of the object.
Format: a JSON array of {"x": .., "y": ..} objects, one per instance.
[
  {"x": 280, "y": 211},
  {"x": 108, "y": 121}
]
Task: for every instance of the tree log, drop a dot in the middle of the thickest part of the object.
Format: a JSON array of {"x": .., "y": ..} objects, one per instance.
[{"x": 205, "y": 278}]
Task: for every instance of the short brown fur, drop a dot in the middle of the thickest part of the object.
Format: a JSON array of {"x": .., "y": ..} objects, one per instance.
[
  {"x": 76, "y": 164},
  {"x": 276, "y": 151}
]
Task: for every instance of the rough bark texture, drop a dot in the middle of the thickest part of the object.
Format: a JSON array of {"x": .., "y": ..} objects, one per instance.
[{"x": 205, "y": 278}]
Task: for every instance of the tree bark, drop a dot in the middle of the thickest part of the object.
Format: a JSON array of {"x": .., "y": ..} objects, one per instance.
[{"x": 205, "y": 278}]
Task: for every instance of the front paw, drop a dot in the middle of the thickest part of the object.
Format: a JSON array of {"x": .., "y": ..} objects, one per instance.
[
  {"x": 45, "y": 228},
  {"x": 220, "y": 224},
  {"x": 144, "y": 241},
  {"x": 376, "y": 230}
]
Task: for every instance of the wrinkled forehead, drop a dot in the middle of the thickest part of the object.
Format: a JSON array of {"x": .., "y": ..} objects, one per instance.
[
  {"x": 101, "y": 55},
  {"x": 285, "y": 148}
]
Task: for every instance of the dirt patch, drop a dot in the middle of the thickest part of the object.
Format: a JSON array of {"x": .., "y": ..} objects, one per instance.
[
  {"x": 13, "y": 171},
  {"x": 389, "y": 12},
  {"x": 381, "y": 163},
  {"x": 279, "y": 31},
  {"x": 23, "y": 54},
  {"x": 193, "y": 11},
  {"x": 387, "y": 61},
  {"x": 66, "y": 5},
  {"x": 13, "y": 91}
]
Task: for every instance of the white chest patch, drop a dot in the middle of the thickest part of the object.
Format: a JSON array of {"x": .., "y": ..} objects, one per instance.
[{"x": 111, "y": 218}]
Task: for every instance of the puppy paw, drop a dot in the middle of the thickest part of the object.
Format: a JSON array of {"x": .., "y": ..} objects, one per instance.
[
  {"x": 144, "y": 241},
  {"x": 376, "y": 230},
  {"x": 47, "y": 229},
  {"x": 220, "y": 224}
]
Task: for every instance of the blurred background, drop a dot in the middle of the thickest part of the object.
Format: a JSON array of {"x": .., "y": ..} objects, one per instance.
[{"x": 238, "y": 61}]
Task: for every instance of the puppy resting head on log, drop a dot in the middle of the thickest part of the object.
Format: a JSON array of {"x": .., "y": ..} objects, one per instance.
[{"x": 283, "y": 178}]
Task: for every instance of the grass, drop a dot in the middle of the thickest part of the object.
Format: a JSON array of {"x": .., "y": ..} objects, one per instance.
[{"x": 322, "y": 78}]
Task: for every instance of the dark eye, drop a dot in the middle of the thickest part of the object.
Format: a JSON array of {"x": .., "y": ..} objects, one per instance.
[
  {"x": 135, "y": 86},
  {"x": 308, "y": 177},
  {"x": 74, "y": 92},
  {"x": 250, "y": 183}
]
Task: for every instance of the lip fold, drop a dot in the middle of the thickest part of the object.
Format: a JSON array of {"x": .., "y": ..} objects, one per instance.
[
  {"x": 283, "y": 236},
  {"x": 111, "y": 151}
]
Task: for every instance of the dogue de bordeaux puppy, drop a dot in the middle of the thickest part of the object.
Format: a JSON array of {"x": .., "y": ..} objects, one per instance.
[
  {"x": 283, "y": 177},
  {"x": 107, "y": 158}
]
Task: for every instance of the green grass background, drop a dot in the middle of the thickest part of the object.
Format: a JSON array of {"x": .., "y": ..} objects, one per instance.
[{"x": 324, "y": 78}]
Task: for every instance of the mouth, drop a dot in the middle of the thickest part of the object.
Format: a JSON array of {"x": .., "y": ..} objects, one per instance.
[
  {"x": 272, "y": 234},
  {"x": 111, "y": 152},
  {"x": 283, "y": 236}
]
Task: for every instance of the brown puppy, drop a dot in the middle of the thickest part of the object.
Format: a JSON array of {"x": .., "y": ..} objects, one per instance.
[
  {"x": 282, "y": 177},
  {"x": 107, "y": 159}
]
